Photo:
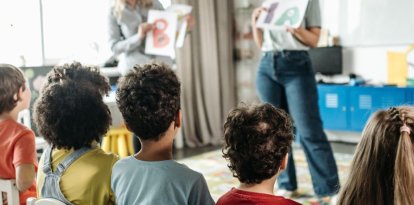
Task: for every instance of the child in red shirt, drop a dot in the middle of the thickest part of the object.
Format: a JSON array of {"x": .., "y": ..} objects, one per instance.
[
  {"x": 257, "y": 140},
  {"x": 17, "y": 142}
]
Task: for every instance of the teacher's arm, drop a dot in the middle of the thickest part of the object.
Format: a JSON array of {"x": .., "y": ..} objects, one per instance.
[
  {"x": 118, "y": 43},
  {"x": 308, "y": 36},
  {"x": 257, "y": 32}
]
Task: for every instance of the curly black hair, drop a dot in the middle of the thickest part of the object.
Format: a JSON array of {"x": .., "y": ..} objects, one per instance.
[
  {"x": 70, "y": 112},
  {"x": 11, "y": 80},
  {"x": 149, "y": 99},
  {"x": 82, "y": 74},
  {"x": 257, "y": 137}
]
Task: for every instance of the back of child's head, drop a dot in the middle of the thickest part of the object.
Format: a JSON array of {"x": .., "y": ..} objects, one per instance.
[
  {"x": 81, "y": 74},
  {"x": 11, "y": 81},
  {"x": 257, "y": 139},
  {"x": 70, "y": 112},
  {"x": 382, "y": 171},
  {"x": 149, "y": 99}
]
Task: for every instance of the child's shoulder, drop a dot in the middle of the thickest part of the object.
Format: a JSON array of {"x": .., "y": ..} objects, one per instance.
[
  {"x": 185, "y": 168},
  {"x": 103, "y": 157},
  {"x": 172, "y": 166},
  {"x": 13, "y": 128}
]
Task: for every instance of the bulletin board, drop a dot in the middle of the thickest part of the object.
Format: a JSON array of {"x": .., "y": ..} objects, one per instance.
[{"x": 36, "y": 77}]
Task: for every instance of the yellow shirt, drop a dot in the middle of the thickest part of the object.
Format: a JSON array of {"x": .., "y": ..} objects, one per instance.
[{"x": 87, "y": 180}]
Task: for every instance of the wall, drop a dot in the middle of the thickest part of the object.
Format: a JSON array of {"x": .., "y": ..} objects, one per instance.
[{"x": 369, "y": 62}]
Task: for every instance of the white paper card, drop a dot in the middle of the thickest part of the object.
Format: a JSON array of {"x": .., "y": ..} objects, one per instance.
[
  {"x": 282, "y": 13},
  {"x": 181, "y": 10},
  {"x": 161, "y": 40}
]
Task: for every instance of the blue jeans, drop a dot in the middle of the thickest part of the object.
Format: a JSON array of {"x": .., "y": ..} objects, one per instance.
[{"x": 286, "y": 80}]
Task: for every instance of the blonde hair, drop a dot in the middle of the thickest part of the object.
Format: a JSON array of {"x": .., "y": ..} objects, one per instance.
[
  {"x": 119, "y": 6},
  {"x": 382, "y": 170}
]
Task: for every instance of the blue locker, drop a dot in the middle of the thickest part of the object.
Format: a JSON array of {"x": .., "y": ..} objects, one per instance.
[
  {"x": 349, "y": 107},
  {"x": 362, "y": 100},
  {"x": 332, "y": 101}
]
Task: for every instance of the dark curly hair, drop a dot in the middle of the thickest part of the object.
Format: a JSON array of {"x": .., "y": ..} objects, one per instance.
[
  {"x": 82, "y": 74},
  {"x": 70, "y": 112},
  {"x": 11, "y": 80},
  {"x": 257, "y": 137},
  {"x": 149, "y": 99}
]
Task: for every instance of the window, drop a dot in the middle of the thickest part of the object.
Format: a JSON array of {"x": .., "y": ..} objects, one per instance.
[
  {"x": 54, "y": 30},
  {"x": 75, "y": 29},
  {"x": 20, "y": 35}
]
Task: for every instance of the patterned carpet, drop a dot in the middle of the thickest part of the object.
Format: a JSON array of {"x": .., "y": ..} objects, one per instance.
[{"x": 220, "y": 180}]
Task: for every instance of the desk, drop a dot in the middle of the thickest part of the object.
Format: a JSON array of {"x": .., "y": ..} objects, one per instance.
[{"x": 110, "y": 71}]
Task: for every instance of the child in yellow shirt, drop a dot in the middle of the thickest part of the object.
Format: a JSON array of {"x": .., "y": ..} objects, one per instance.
[{"x": 72, "y": 117}]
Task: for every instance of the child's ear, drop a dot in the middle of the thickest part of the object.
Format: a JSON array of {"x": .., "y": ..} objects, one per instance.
[
  {"x": 178, "y": 119},
  {"x": 283, "y": 165},
  {"x": 17, "y": 96}
]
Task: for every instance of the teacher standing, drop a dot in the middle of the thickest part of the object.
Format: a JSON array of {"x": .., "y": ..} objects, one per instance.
[
  {"x": 285, "y": 78},
  {"x": 128, "y": 28}
]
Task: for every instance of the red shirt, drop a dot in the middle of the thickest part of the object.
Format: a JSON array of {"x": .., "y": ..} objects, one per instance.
[
  {"x": 17, "y": 147},
  {"x": 239, "y": 197}
]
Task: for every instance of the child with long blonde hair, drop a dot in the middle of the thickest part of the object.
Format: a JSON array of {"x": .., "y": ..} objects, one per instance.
[{"x": 382, "y": 171}]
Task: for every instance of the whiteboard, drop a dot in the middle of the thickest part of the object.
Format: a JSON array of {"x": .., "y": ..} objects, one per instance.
[{"x": 376, "y": 22}]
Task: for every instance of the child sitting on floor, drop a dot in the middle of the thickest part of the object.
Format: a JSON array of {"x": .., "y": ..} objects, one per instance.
[
  {"x": 72, "y": 117},
  {"x": 17, "y": 143},
  {"x": 257, "y": 140},
  {"x": 382, "y": 170},
  {"x": 149, "y": 100}
]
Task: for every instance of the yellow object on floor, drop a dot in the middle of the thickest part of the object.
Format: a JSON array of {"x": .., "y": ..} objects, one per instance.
[{"x": 119, "y": 142}]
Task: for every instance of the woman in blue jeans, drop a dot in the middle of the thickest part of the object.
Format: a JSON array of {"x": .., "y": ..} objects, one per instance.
[{"x": 285, "y": 78}]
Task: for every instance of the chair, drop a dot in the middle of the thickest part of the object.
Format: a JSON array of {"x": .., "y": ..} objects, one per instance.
[
  {"x": 43, "y": 201},
  {"x": 118, "y": 141},
  {"x": 8, "y": 187}
]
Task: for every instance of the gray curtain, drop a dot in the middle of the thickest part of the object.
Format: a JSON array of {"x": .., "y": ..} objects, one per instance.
[{"x": 205, "y": 67}]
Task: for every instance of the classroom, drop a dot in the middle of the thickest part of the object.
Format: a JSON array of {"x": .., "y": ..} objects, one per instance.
[{"x": 207, "y": 102}]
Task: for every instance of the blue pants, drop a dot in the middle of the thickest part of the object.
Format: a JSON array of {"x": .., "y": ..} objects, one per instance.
[{"x": 286, "y": 80}]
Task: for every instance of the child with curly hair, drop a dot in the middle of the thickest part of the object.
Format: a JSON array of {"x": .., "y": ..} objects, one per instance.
[
  {"x": 149, "y": 100},
  {"x": 257, "y": 140},
  {"x": 382, "y": 170},
  {"x": 72, "y": 117},
  {"x": 17, "y": 143}
]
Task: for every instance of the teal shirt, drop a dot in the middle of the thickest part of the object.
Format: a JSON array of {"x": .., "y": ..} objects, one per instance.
[
  {"x": 283, "y": 40},
  {"x": 158, "y": 182}
]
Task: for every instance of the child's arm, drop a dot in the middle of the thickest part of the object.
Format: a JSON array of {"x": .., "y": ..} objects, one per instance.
[
  {"x": 25, "y": 176},
  {"x": 309, "y": 37},
  {"x": 24, "y": 160}
]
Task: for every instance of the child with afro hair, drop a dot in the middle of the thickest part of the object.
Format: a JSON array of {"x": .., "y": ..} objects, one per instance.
[{"x": 72, "y": 117}]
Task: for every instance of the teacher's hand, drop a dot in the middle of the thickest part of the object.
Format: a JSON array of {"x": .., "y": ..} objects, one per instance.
[
  {"x": 291, "y": 30},
  {"x": 190, "y": 22},
  {"x": 143, "y": 29}
]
